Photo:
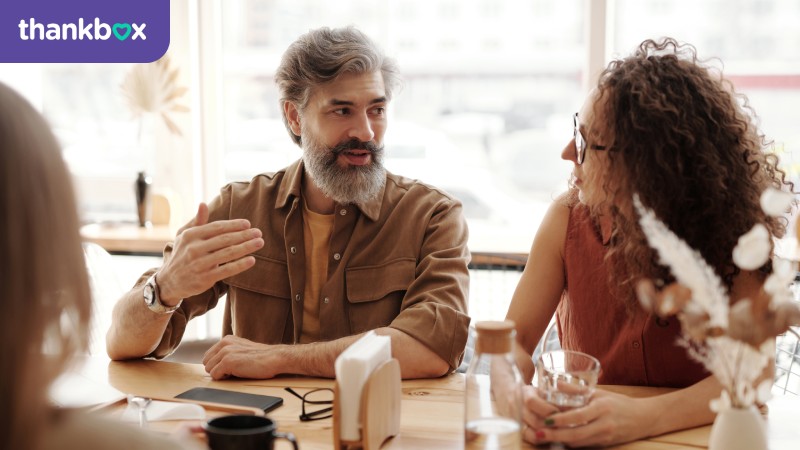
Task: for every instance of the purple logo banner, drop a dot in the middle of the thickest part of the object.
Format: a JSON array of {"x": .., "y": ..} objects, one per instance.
[{"x": 83, "y": 31}]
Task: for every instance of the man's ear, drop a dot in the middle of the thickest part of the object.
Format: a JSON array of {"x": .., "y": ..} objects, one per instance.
[{"x": 292, "y": 117}]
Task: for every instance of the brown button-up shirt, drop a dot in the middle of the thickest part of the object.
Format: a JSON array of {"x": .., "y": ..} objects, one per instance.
[{"x": 399, "y": 260}]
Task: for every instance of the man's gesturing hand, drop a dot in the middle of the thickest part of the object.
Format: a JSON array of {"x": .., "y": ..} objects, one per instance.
[{"x": 204, "y": 253}]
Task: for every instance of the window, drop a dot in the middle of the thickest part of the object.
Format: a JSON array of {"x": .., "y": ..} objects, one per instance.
[
  {"x": 101, "y": 140},
  {"x": 85, "y": 107},
  {"x": 82, "y": 103},
  {"x": 489, "y": 90}
]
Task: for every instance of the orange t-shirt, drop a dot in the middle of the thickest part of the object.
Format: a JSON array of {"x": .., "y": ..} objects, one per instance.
[{"x": 317, "y": 230}]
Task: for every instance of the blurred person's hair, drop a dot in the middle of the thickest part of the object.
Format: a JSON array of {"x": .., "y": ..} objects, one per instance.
[
  {"x": 687, "y": 143},
  {"x": 46, "y": 305},
  {"x": 321, "y": 56}
]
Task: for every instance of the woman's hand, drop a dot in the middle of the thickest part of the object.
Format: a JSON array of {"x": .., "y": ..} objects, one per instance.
[
  {"x": 535, "y": 412},
  {"x": 608, "y": 419}
]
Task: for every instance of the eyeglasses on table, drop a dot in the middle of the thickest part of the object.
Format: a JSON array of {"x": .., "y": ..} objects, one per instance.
[{"x": 315, "y": 397}]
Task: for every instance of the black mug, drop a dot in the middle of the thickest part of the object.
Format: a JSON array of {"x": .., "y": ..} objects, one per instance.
[{"x": 244, "y": 432}]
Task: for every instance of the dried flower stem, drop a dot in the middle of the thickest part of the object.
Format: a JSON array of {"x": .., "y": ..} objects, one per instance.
[
  {"x": 731, "y": 342},
  {"x": 153, "y": 88},
  {"x": 737, "y": 368}
]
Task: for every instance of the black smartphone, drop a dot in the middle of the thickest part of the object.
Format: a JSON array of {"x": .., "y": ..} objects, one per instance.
[{"x": 204, "y": 394}]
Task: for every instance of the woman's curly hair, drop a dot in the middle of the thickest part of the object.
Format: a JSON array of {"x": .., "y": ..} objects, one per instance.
[{"x": 687, "y": 143}]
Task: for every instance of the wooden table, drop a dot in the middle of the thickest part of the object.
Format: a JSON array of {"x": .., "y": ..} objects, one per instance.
[
  {"x": 431, "y": 410},
  {"x": 129, "y": 238}
]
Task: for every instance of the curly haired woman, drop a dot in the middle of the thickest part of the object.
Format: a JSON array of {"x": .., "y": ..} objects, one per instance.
[{"x": 663, "y": 125}]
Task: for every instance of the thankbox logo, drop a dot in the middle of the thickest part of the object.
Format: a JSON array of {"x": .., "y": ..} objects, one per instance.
[
  {"x": 31, "y": 30},
  {"x": 94, "y": 31}
]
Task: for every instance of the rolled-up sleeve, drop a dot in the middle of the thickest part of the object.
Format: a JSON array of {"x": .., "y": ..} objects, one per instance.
[{"x": 434, "y": 309}]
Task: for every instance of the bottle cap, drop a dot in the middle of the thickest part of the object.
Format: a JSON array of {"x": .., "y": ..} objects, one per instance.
[{"x": 494, "y": 336}]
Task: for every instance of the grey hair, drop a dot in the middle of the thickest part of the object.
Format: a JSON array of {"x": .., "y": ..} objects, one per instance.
[{"x": 321, "y": 56}]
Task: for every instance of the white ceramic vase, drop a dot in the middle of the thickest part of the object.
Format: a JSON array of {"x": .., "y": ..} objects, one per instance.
[{"x": 738, "y": 429}]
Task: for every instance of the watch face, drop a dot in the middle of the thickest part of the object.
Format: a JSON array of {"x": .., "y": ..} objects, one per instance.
[{"x": 149, "y": 292}]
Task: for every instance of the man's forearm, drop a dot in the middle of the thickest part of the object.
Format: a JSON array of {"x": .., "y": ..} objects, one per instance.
[
  {"x": 416, "y": 360},
  {"x": 318, "y": 359},
  {"x": 135, "y": 330}
]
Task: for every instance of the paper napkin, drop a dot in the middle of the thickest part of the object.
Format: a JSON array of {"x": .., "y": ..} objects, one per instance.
[
  {"x": 160, "y": 410},
  {"x": 353, "y": 367}
]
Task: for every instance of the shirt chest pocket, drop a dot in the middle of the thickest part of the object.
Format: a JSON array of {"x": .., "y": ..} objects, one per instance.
[
  {"x": 375, "y": 293},
  {"x": 260, "y": 293}
]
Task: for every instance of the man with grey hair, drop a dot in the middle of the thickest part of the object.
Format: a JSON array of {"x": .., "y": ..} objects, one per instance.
[{"x": 316, "y": 254}]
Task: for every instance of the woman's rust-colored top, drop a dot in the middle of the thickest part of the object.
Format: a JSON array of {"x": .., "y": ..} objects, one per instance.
[{"x": 634, "y": 347}]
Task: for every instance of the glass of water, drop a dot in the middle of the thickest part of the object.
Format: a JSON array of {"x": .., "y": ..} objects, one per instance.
[{"x": 566, "y": 378}]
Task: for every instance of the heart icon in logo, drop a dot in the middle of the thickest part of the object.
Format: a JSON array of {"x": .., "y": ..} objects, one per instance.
[{"x": 121, "y": 26}]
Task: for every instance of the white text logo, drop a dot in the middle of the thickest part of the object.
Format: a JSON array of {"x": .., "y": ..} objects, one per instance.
[{"x": 97, "y": 30}]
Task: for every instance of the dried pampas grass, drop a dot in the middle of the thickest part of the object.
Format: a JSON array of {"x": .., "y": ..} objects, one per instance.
[
  {"x": 152, "y": 88},
  {"x": 734, "y": 342}
]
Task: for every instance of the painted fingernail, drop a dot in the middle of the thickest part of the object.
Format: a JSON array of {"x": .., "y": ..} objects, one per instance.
[
  {"x": 539, "y": 435},
  {"x": 549, "y": 422}
]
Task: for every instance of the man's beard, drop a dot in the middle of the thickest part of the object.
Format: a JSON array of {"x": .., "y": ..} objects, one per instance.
[{"x": 352, "y": 184}]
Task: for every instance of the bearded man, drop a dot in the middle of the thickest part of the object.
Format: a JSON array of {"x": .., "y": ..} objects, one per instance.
[{"x": 316, "y": 254}]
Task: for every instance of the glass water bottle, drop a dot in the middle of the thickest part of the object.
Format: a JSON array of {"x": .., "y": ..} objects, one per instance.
[{"x": 493, "y": 391}]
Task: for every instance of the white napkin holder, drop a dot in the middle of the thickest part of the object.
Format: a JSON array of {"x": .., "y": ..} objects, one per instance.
[{"x": 366, "y": 406}]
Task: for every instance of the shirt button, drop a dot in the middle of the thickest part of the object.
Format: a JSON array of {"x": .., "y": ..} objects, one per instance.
[
  {"x": 337, "y": 256},
  {"x": 343, "y": 212},
  {"x": 325, "y": 300},
  {"x": 293, "y": 250},
  {"x": 297, "y": 297},
  {"x": 635, "y": 344}
]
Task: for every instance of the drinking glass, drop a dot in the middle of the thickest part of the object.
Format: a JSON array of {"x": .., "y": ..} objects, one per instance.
[{"x": 566, "y": 379}]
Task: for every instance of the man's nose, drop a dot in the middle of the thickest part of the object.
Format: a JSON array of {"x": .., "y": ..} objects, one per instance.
[{"x": 361, "y": 128}]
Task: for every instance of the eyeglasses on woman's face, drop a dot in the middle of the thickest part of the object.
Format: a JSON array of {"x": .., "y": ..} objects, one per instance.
[
  {"x": 321, "y": 396},
  {"x": 580, "y": 142}
]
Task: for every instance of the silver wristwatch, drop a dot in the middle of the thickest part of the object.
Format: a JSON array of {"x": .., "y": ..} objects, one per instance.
[{"x": 152, "y": 300}]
